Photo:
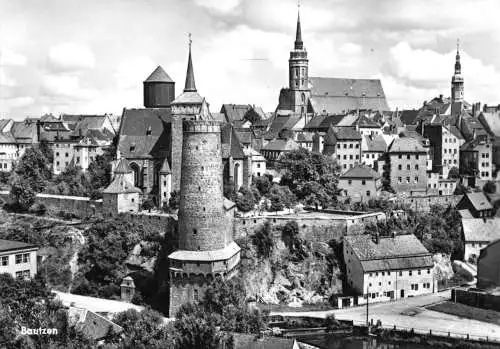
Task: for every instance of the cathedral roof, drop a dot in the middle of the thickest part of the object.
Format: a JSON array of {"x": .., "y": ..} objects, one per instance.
[
  {"x": 159, "y": 75},
  {"x": 322, "y": 122},
  {"x": 231, "y": 145},
  {"x": 134, "y": 140},
  {"x": 281, "y": 122},
  {"x": 338, "y": 95}
]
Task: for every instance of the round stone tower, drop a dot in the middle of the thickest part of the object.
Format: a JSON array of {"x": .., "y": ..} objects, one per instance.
[
  {"x": 202, "y": 218},
  {"x": 159, "y": 89},
  {"x": 205, "y": 218}
]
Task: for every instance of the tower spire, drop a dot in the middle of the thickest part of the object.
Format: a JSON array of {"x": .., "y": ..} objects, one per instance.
[
  {"x": 458, "y": 65},
  {"x": 299, "y": 45},
  {"x": 190, "y": 84}
]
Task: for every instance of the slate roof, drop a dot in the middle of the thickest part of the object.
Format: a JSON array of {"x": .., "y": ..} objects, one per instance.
[
  {"x": 361, "y": 171},
  {"x": 477, "y": 229},
  {"x": 338, "y": 95},
  {"x": 24, "y": 132},
  {"x": 135, "y": 123},
  {"x": 322, "y": 122},
  {"x": 214, "y": 255},
  {"x": 251, "y": 341},
  {"x": 408, "y": 117},
  {"x": 490, "y": 121},
  {"x": 235, "y": 112},
  {"x": 374, "y": 144},
  {"x": 231, "y": 145},
  {"x": 281, "y": 145},
  {"x": 455, "y": 131},
  {"x": 478, "y": 200},
  {"x": 7, "y": 138},
  {"x": 400, "y": 252},
  {"x": 4, "y": 122},
  {"x": 365, "y": 122},
  {"x": 348, "y": 120},
  {"x": 406, "y": 145},
  {"x": 159, "y": 75},
  {"x": 281, "y": 122},
  {"x": 92, "y": 325},
  {"x": 347, "y": 134},
  {"x": 10, "y": 245},
  {"x": 245, "y": 135},
  {"x": 121, "y": 185}
]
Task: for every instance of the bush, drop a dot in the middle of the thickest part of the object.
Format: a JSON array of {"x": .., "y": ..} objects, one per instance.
[
  {"x": 454, "y": 173},
  {"x": 490, "y": 187},
  {"x": 245, "y": 200},
  {"x": 263, "y": 184},
  {"x": 148, "y": 205},
  {"x": 173, "y": 202},
  {"x": 38, "y": 208}
]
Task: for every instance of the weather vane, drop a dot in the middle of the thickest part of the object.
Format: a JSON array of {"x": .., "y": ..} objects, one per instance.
[
  {"x": 458, "y": 44},
  {"x": 298, "y": 4},
  {"x": 190, "y": 41}
]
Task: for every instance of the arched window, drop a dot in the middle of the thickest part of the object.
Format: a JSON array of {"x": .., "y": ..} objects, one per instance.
[
  {"x": 136, "y": 170},
  {"x": 303, "y": 97}
]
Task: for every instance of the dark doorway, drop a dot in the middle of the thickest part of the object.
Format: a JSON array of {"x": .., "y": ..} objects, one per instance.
[{"x": 402, "y": 293}]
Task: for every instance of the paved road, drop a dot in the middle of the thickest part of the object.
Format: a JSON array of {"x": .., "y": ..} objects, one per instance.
[{"x": 410, "y": 313}]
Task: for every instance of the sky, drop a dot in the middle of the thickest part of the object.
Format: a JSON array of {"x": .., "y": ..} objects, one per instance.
[{"x": 91, "y": 56}]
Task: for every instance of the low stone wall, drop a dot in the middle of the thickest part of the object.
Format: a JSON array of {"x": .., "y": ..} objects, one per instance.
[
  {"x": 476, "y": 299},
  {"x": 316, "y": 229},
  {"x": 424, "y": 203},
  {"x": 79, "y": 206}
]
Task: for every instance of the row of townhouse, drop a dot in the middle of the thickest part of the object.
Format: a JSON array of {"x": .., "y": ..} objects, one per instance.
[{"x": 73, "y": 138}]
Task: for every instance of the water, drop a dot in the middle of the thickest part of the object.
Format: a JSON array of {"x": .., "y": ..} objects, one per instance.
[{"x": 332, "y": 342}]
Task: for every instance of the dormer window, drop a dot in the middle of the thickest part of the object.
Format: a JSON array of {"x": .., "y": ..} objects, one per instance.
[
  {"x": 148, "y": 131},
  {"x": 132, "y": 147}
]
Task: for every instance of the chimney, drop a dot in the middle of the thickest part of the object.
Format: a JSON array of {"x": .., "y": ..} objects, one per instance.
[{"x": 441, "y": 98}]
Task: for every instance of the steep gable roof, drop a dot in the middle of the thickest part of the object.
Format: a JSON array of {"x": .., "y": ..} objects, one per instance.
[
  {"x": 121, "y": 185},
  {"x": 408, "y": 117},
  {"x": 235, "y": 112},
  {"x": 281, "y": 145},
  {"x": 478, "y": 229},
  {"x": 375, "y": 144},
  {"x": 478, "y": 200},
  {"x": 231, "y": 145},
  {"x": 406, "y": 145}
]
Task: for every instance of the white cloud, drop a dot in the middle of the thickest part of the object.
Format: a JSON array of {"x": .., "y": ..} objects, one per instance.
[
  {"x": 132, "y": 71},
  {"x": 59, "y": 87},
  {"x": 219, "y": 6},
  {"x": 11, "y": 58},
  {"x": 350, "y": 48},
  {"x": 70, "y": 56},
  {"x": 5, "y": 80},
  {"x": 7, "y": 104}
]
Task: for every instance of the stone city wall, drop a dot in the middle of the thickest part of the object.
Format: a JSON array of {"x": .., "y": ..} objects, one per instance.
[
  {"x": 476, "y": 299},
  {"x": 315, "y": 229},
  {"x": 424, "y": 203}
]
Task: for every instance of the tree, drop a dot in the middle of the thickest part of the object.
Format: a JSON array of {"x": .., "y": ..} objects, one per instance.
[
  {"x": 244, "y": 200},
  {"x": 263, "y": 241},
  {"x": 490, "y": 187},
  {"x": 197, "y": 328},
  {"x": 314, "y": 194},
  {"x": 148, "y": 205},
  {"x": 144, "y": 330},
  {"x": 302, "y": 166},
  {"x": 22, "y": 194},
  {"x": 281, "y": 197},
  {"x": 35, "y": 168},
  {"x": 461, "y": 189},
  {"x": 454, "y": 173},
  {"x": 263, "y": 184},
  {"x": 99, "y": 171},
  {"x": 290, "y": 236}
]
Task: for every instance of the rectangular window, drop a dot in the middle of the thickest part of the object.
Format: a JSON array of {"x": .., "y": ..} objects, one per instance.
[
  {"x": 416, "y": 167},
  {"x": 408, "y": 167},
  {"x": 428, "y": 271},
  {"x": 19, "y": 274},
  {"x": 4, "y": 261},
  {"x": 19, "y": 258},
  {"x": 357, "y": 157},
  {"x": 363, "y": 182},
  {"x": 416, "y": 179},
  {"x": 350, "y": 157},
  {"x": 338, "y": 146},
  {"x": 349, "y": 181},
  {"x": 400, "y": 156},
  {"x": 400, "y": 167},
  {"x": 409, "y": 272},
  {"x": 345, "y": 146},
  {"x": 407, "y": 179},
  {"x": 399, "y": 180},
  {"x": 350, "y": 145},
  {"x": 408, "y": 156},
  {"x": 419, "y": 273},
  {"x": 345, "y": 157},
  {"x": 416, "y": 156},
  {"x": 400, "y": 273}
]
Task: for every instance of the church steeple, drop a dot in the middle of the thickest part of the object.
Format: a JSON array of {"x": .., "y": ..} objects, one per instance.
[
  {"x": 190, "y": 84},
  {"x": 457, "y": 81},
  {"x": 458, "y": 65},
  {"x": 299, "y": 45}
]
